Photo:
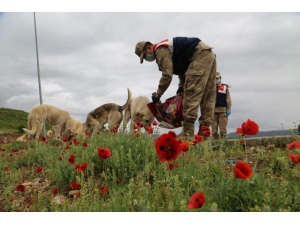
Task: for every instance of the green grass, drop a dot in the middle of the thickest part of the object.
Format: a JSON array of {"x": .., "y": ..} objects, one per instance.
[
  {"x": 13, "y": 120},
  {"x": 138, "y": 182}
]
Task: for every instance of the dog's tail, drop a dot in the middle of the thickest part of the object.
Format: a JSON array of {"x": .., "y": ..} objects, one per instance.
[
  {"x": 123, "y": 107},
  {"x": 32, "y": 129}
]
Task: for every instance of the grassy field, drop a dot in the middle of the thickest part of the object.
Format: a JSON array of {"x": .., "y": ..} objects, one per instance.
[{"x": 59, "y": 176}]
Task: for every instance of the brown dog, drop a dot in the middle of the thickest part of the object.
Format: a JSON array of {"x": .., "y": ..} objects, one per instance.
[
  {"x": 59, "y": 119},
  {"x": 110, "y": 113},
  {"x": 78, "y": 132},
  {"x": 138, "y": 110}
]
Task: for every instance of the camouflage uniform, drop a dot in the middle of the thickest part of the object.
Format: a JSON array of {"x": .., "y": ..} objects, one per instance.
[
  {"x": 220, "y": 117},
  {"x": 198, "y": 82}
]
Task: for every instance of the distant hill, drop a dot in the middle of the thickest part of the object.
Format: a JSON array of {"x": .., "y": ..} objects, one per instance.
[
  {"x": 13, "y": 120},
  {"x": 265, "y": 133}
]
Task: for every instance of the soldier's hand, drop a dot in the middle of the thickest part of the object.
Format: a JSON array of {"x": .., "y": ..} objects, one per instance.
[
  {"x": 228, "y": 113},
  {"x": 155, "y": 97},
  {"x": 180, "y": 90}
]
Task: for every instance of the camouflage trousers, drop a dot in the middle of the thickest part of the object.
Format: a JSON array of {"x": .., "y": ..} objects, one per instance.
[
  {"x": 200, "y": 86},
  {"x": 220, "y": 121}
]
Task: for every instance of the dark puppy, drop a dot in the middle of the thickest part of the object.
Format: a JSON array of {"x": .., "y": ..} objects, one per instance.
[{"x": 110, "y": 113}]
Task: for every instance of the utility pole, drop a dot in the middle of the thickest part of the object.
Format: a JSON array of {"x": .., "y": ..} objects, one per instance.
[{"x": 38, "y": 70}]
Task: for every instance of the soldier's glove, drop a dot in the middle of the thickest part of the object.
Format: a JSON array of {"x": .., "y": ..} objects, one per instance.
[
  {"x": 155, "y": 97},
  {"x": 180, "y": 90},
  {"x": 228, "y": 113}
]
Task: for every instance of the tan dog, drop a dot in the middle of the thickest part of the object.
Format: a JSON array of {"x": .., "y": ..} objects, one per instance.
[
  {"x": 110, "y": 113},
  {"x": 138, "y": 110},
  {"x": 59, "y": 119},
  {"x": 78, "y": 132}
]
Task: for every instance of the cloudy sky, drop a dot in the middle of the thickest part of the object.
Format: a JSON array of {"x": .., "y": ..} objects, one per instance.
[{"x": 87, "y": 59}]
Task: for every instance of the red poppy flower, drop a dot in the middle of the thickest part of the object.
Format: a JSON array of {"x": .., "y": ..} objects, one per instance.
[
  {"x": 65, "y": 139},
  {"x": 197, "y": 200},
  {"x": 82, "y": 167},
  {"x": 43, "y": 139},
  {"x": 119, "y": 180},
  {"x": 149, "y": 129},
  {"x": 138, "y": 124},
  {"x": 198, "y": 138},
  {"x": 6, "y": 169},
  {"x": 207, "y": 133},
  {"x": 85, "y": 144},
  {"x": 242, "y": 170},
  {"x": 75, "y": 185},
  {"x": 173, "y": 134},
  {"x": 71, "y": 159},
  {"x": 104, "y": 153},
  {"x": 20, "y": 188},
  {"x": 88, "y": 134},
  {"x": 294, "y": 144},
  {"x": 114, "y": 130},
  {"x": 295, "y": 158},
  {"x": 75, "y": 141},
  {"x": 167, "y": 147},
  {"x": 39, "y": 169},
  {"x": 184, "y": 146},
  {"x": 204, "y": 128},
  {"x": 104, "y": 189},
  {"x": 250, "y": 127},
  {"x": 239, "y": 131},
  {"x": 54, "y": 191},
  {"x": 171, "y": 166},
  {"x": 11, "y": 199},
  {"x": 154, "y": 123},
  {"x": 67, "y": 147}
]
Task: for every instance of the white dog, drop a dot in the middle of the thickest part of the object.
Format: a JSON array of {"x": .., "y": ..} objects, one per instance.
[
  {"x": 59, "y": 119},
  {"x": 138, "y": 110}
]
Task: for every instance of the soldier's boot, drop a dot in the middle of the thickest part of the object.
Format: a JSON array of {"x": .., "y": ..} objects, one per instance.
[
  {"x": 187, "y": 133},
  {"x": 215, "y": 135}
]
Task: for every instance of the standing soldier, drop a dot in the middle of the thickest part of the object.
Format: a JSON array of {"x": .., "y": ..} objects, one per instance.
[
  {"x": 195, "y": 64},
  {"x": 222, "y": 108}
]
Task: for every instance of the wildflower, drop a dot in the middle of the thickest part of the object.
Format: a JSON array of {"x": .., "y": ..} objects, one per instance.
[
  {"x": 6, "y": 169},
  {"x": 172, "y": 133},
  {"x": 149, "y": 129},
  {"x": 85, "y": 144},
  {"x": 154, "y": 123},
  {"x": 198, "y": 138},
  {"x": 11, "y": 199},
  {"x": 239, "y": 131},
  {"x": 250, "y": 127},
  {"x": 20, "y": 188},
  {"x": 88, "y": 134},
  {"x": 171, "y": 166},
  {"x": 104, "y": 153},
  {"x": 65, "y": 139},
  {"x": 114, "y": 129},
  {"x": 39, "y": 169},
  {"x": 67, "y": 147},
  {"x": 294, "y": 144},
  {"x": 71, "y": 159},
  {"x": 138, "y": 124},
  {"x": 197, "y": 200},
  {"x": 59, "y": 158},
  {"x": 75, "y": 141},
  {"x": 242, "y": 170},
  {"x": 104, "y": 189},
  {"x": 184, "y": 146},
  {"x": 295, "y": 158},
  {"x": 119, "y": 180},
  {"x": 82, "y": 167},
  {"x": 43, "y": 139},
  {"x": 54, "y": 191},
  {"x": 75, "y": 185},
  {"x": 167, "y": 147}
]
